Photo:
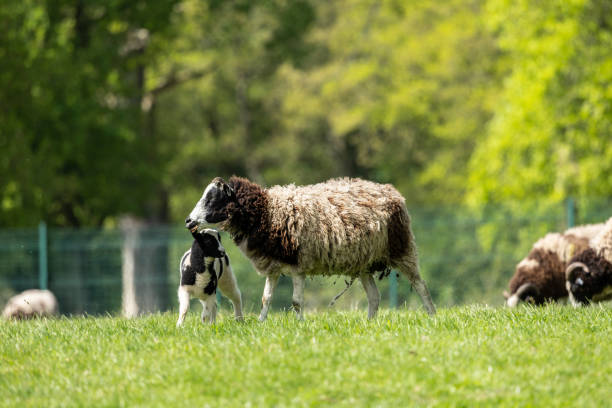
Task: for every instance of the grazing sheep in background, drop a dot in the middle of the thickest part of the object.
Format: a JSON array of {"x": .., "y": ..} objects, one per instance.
[
  {"x": 540, "y": 277},
  {"x": 340, "y": 227},
  {"x": 31, "y": 303},
  {"x": 204, "y": 267},
  {"x": 589, "y": 274}
]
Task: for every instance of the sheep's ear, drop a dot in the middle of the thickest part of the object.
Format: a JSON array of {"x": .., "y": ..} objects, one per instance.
[{"x": 228, "y": 190}]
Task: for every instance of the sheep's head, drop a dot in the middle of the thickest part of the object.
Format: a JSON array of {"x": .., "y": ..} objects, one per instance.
[
  {"x": 527, "y": 292},
  {"x": 521, "y": 285},
  {"x": 212, "y": 207},
  {"x": 587, "y": 277}
]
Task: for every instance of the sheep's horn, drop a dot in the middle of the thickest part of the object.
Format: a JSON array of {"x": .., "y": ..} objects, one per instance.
[
  {"x": 523, "y": 290},
  {"x": 521, "y": 293},
  {"x": 570, "y": 271}
]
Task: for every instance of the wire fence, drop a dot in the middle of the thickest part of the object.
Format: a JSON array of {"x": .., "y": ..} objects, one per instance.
[{"x": 466, "y": 256}]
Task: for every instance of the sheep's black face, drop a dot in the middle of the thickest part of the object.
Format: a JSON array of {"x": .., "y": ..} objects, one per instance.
[
  {"x": 212, "y": 207},
  {"x": 587, "y": 277}
]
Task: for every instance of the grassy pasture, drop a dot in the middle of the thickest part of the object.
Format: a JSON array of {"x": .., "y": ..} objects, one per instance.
[{"x": 464, "y": 356}]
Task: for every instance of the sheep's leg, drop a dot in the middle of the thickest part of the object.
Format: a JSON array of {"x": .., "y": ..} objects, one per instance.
[
  {"x": 299, "y": 282},
  {"x": 372, "y": 293},
  {"x": 183, "y": 297},
  {"x": 410, "y": 268},
  {"x": 229, "y": 287},
  {"x": 271, "y": 281}
]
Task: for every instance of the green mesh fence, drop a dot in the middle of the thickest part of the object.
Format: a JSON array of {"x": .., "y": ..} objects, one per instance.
[{"x": 466, "y": 256}]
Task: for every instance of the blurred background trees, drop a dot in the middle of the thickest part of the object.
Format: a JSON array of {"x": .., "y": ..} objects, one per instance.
[{"x": 112, "y": 107}]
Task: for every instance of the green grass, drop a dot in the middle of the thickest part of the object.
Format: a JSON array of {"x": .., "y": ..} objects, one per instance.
[{"x": 465, "y": 356}]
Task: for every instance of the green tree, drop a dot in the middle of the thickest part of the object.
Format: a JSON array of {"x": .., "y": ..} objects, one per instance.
[
  {"x": 400, "y": 93},
  {"x": 550, "y": 135},
  {"x": 75, "y": 150},
  {"x": 221, "y": 115}
]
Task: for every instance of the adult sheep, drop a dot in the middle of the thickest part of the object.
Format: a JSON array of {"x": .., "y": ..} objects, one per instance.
[
  {"x": 344, "y": 226},
  {"x": 31, "y": 303},
  {"x": 589, "y": 274},
  {"x": 540, "y": 277}
]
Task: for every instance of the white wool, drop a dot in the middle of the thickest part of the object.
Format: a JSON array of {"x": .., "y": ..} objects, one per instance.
[
  {"x": 339, "y": 225},
  {"x": 33, "y": 302},
  {"x": 602, "y": 243}
]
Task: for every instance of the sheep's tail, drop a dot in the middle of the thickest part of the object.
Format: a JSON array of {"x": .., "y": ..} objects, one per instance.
[{"x": 348, "y": 285}]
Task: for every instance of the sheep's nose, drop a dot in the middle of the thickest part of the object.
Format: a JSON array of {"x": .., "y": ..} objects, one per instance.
[{"x": 191, "y": 225}]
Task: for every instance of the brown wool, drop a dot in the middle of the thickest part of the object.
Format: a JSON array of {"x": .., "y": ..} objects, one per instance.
[{"x": 544, "y": 266}]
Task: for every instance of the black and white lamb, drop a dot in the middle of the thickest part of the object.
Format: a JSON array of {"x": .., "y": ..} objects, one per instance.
[
  {"x": 343, "y": 226},
  {"x": 540, "y": 277},
  {"x": 203, "y": 268},
  {"x": 589, "y": 274},
  {"x": 31, "y": 303}
]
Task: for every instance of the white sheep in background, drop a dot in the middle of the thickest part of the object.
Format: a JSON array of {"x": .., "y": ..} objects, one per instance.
[
  {"x": 344, "y": 226},
  {"x": 589, "y": 274},
  {"x": 31, "y": 303},
  {"x": 540, "y": 277},
  {"x": 203, "y": 268}
]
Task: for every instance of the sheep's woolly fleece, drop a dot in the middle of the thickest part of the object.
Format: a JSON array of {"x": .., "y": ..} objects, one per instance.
[
  {"x": 545, "y": 264},
  {"x": 345, "y": 225},
  {"x": 603, "y": 242},
  {"x": 31, "y": 303}
]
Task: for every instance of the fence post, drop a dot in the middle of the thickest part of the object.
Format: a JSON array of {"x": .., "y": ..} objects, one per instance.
[
  {"x": 393, "y": 289},
  {"x": 43, "y": 275},
  {"x": 571, "y": 212}
]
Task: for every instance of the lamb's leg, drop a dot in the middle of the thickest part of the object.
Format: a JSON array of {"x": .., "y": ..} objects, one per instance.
[
  {"x": 229, "y": 287},
  {"x": 212, "y": 308},
  {"x": 299, "y": 282},
  {"x": 372, "y": 293},
  {"x": 410, "y": 268},
  {"x": 209, "y": 309},
  {"x": 271, "y": 281},
  {"x": 183, "y": 297},
  {"x": 204, "y": 315}
]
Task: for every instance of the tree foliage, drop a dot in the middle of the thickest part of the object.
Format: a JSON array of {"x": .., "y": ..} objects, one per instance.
[
  {"x": 550, "y": 134},
  {"x": 74, "y": 148},
  {"x": 112, "y": 107}
]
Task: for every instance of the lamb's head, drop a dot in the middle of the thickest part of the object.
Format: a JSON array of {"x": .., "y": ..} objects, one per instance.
[
  {"x": 210, "y": 242},
  {"x": 588, "y": 277},
  {"x": 212, "y": 207}
]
